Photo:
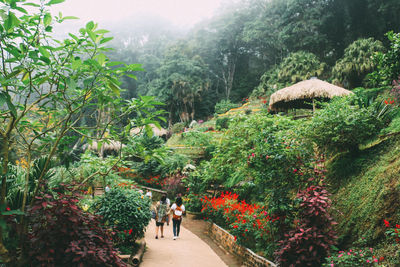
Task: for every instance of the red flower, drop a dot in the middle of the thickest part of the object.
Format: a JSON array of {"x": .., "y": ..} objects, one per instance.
[
  {"x": 8, "y": 208},
  {"x": 386, "y": 102},
  {"x": 387, "y": 224},
  {"x": 130, "y": 231}
]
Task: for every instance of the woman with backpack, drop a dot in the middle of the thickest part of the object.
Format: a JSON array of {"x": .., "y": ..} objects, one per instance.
[
  {"x": 177, "y": 210},
  {"x": 161, "y": 211}
]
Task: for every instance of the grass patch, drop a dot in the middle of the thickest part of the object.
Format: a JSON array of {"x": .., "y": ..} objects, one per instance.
[{"x": 366, "y": 187}]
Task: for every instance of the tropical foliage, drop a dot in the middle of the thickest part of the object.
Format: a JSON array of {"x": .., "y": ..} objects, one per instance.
[{"x": 357, "y": 62}]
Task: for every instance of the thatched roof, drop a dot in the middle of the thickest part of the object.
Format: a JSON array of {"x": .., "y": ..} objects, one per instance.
[
  {"x": 107, "y": 146},
  {"x": 301, "y": 94},
  {"x": 156, "y": 131}
]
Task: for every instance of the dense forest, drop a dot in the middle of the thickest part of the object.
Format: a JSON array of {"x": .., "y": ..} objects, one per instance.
[{"x": 254, "y": 47}]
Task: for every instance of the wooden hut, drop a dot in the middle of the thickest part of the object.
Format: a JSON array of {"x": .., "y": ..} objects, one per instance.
[
  {"x": 156, "y": 131},
  {"x": 303, "y": 95}
]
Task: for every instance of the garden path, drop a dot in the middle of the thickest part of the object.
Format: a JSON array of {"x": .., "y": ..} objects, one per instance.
[{"x": 188, "y": 250}]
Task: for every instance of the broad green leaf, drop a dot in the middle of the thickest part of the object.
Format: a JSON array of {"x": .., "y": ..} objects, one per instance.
[
  {"x": 54, "y": 2},
  {"x": 31, "y": 4},
  {"x": 90, "y": 26},
  {"x": 115, "y": 63},
  {"x": 101, "y": 31},
  {"x": 11, "y": 22},
  {"x": 47, "y": 19},
  {"x": 105, "y": 40},
  {"x": 3, "y": 14},
  {"x": 45, "y": 60},
  {"x": 10, "y": 105},
  {"x": 132, "y": 76},
  {"x": 26, "y": 76},
  {"x": 12, "y": 212},
  {"x": 91, "y": 35},
  {"x": 115, "y": 88},
  {"x": 101, "y": 58},
  {"x": 76, "y": 64},
  {"x": 3, "y": 99},
  {"x": 74, "y": 37},
  {"x": 149, "y": 130},
  {"x": 70, "y": 17},
  {"x": 44, "y": 52},
  {"x": 99, "y": 144},
  {"x": 22, "y": 10},
  {"x": 15, "y": 52}
]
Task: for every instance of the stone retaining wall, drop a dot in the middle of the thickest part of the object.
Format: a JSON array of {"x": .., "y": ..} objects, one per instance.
[{"x": 227, "y": 241}]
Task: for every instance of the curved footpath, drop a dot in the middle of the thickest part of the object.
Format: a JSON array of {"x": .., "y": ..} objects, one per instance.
[{"x": 188, "y": 250}]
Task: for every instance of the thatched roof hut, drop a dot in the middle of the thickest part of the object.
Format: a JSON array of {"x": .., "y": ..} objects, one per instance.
[
  {"x": 156, "y": 131},
  {"x": 110, "y": 145},
  {"x": 302, "y": 95}
]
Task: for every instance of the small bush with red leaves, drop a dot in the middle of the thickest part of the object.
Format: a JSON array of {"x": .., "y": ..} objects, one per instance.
[
  {"x": 310, "y": 242},
  {"x": 61, "y": 234},
  {"x": 250, "y": 224}
]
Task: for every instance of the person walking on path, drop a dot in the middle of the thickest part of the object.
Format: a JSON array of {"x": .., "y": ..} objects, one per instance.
[
  {"x": 177, "y": 210},
  {"x": 161, "y": 210}
]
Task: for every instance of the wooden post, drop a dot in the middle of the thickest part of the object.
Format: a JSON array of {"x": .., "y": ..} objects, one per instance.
[{"x": 313, "y": 106}]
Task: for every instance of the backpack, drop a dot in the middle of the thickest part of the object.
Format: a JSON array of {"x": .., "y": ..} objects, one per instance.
[{"x": 177, "y": 215}]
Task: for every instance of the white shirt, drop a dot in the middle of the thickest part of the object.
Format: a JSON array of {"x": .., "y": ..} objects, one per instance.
[{"x": 174, "y": 207}]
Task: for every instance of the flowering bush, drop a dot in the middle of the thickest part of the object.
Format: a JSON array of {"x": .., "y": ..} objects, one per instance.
[
  {"x": 153, "y": 181},
  {"x": 61, "y": 234},
  {"x": 393, "y": 232},
  {"x": 309, "y": 243},
  {"x": 126, "y": 212},
  {"x": 249, "y": 223},
  {"x": 354, "y": 257}
]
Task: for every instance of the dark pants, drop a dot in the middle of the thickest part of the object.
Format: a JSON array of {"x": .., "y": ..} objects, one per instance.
[{"x": 176, "y": 227}]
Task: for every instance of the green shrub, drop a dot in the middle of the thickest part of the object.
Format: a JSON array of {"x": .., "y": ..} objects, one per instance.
[
  {"x": 353, "y": 257},
  {"x": 342, "y": 126},
  {"x": 126, "y": 211},
  {"x": 192, "y": 202},
  {"x": 178, "y": 127},
  {"x": 172, "y": 163},
  {"x": 222, "y": 123},
  {"x": 224, "y": 106}
]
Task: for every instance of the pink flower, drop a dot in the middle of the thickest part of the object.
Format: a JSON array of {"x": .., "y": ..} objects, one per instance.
[
  {"x": 368, "y": 261},
  {"x": 340, "y": 255},
  {"x": 375, "y": 260}
]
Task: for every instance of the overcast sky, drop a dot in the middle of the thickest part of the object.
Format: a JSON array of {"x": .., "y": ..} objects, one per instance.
[{"x": 184, "y": 13}]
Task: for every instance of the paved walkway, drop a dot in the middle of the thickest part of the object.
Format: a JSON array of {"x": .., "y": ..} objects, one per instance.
[{"x": 188, "y": 250}]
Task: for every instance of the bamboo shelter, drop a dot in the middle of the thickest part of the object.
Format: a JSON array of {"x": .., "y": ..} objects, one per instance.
[
  {"x": 303, "y": 95},
  {"x": 108, "y": 147},
  {"x": 156, "y": 131}
]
